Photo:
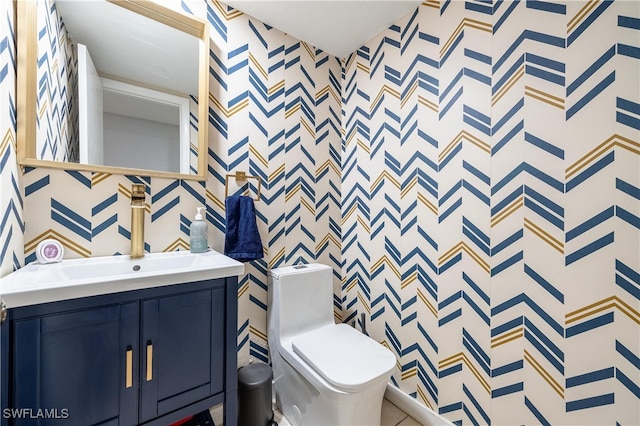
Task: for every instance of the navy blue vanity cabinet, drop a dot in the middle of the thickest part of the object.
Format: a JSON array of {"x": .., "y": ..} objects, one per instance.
[
  {"x": 78, "y": 367},
  {"x": 182, "y": 360},
  {"x": 149, "y": 357}
]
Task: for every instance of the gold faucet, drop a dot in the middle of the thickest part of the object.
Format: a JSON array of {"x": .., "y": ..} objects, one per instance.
[{"x": 137, "y": 220}]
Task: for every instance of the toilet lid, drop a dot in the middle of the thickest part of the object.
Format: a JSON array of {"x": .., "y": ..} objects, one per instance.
[{"x": 343, "y": 356}]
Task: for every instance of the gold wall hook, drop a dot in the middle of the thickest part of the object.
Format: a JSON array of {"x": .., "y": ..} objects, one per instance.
[{"x": 242, "y": 177}]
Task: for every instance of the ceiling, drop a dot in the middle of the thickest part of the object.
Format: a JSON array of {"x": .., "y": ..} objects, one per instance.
[{"x": 338, "y": 27}]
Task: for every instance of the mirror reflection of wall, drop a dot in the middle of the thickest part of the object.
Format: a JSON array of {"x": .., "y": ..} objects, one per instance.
[{"x": 74, "y": 118}]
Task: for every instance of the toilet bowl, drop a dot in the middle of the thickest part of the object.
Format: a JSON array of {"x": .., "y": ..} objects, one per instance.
[{"x": 324, "y": 373}]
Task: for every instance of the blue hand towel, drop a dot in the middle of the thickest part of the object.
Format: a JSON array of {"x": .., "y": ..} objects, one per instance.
[{"x": 242, "y": 239}]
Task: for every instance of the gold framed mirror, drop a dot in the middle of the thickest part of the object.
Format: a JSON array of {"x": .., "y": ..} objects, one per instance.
[{"x": 50, "y": 133}]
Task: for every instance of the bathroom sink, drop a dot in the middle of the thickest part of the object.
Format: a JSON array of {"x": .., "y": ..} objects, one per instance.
[{"x": 73, "y": 278}]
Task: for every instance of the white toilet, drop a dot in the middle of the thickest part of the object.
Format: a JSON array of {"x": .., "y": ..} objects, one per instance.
[{"x": 325, "y": 373}]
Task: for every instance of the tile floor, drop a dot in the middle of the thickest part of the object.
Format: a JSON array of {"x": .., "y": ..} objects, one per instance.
[{"x": 391, "y": 416}]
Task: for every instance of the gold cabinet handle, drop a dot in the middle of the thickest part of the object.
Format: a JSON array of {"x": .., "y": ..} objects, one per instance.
[
  {"x": 149, "y": 361},
  {"x": 129, "y": 368}
]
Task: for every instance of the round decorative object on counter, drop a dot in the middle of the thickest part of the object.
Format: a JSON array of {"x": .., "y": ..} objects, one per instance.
[{"x": 49, "y": 251}]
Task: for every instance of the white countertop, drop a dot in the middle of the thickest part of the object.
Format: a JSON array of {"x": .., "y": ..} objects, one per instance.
[{"x": 74, "y": 278}]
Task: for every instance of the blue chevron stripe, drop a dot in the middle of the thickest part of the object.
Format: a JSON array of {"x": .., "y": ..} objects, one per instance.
[
  {"x": 598, "y": 64},
  {"x": 628, "y": 279},
  {"x": 70, "y": 220},
  {"x": 599, "y": 88},
  {"x": 538, "y": 415},
  {"x": 628, "y": 355},
  {"x": 528, "y": 35},
  {"x": 590, "y": 324},
  {"x": 507, "y": 368},
  {"x": 595, "y": 401},
  {"x": 557, "y": 294},
  {"x": 604, "y": 5},
  {"x": 476, "y": 405},
  {"x": 546, "y": 6},
  {"x": 507, "y": 390},
  {"x": 589, "y": 248}
]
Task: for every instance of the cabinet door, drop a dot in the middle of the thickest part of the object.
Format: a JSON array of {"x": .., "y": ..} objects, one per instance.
[
  {"x": 182, "y": 349},
  {"x": 77, "y": 368}
]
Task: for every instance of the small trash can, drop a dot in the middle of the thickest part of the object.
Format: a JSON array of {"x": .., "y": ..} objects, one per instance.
[{"x": 254, "y": 395}]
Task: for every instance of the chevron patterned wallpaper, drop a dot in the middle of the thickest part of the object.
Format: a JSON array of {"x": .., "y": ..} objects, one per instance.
[
  {"x": 11, "y": 200},
  {"x": 471, "y": 174},
  {"x": 491, "y": 207}
]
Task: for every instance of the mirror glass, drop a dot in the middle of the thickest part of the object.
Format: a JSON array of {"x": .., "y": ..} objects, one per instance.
[{"x": 117, "y": 85}]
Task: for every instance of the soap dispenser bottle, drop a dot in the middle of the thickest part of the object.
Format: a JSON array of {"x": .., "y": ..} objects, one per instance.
[{"x": 198, "y": 234}]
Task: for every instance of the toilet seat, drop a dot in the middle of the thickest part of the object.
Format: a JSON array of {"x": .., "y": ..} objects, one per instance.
[{"x": 344, "y": 357}]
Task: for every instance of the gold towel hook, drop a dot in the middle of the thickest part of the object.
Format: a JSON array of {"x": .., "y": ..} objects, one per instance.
[{"x": 242, "y": 177}]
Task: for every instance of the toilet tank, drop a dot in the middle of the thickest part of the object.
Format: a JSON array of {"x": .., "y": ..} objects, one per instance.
[{"x": 301, "y": 298}]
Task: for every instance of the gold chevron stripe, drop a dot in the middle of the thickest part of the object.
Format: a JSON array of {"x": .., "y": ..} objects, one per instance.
[
  {"x": 329, "y": 237},
  {"x": 276, "y": 173},
  {"x": 431, "y": 105},
  {"x": 231, "y": 111},
  {"x": 423, "y": 199},
  {"x": 291, "y": 193},
  {"x": 603, "y": 305},
  {"x": 544, "y": 235},
  {"x": 591, "y": 156},
  {"x": 258, "y": 66},
  {"x": 308, "y": 127},
  {"x": 337, "y": 316},
  {"x": 544, "y": 374},
  {"x": 43, "y": 109},
  {"x": 409, "y": 187},
  {"x": 364, "y": 303},
  {"x": 310, "y": 50},
  {"x": 384, "y": 89},
  {"x": 385, "y": 175},
  {"x": 507, "y": 211},
  {"x": 508, "y": 85},
  {"x": 432, "y": 3},
  {"x": 215, "y": 200},
  {"x": 177, "y": 245},
  {"x": 544, "y": 97},
  {"x": 329, "y": 164},
  {"x": 276, "y": 87},
  {"x": 99, "y": 177},
  {"x": 385, "y": 260},
  {"x": 258, "y": 333},
  {"x": 348, "y": 63},
  {"x": 412, "y": 372},
  {"x": 292, "y": 110},
  {"x": 421, "y": 393},
  {"x": 346, "y": 216},
  {"x": 328, "y": 89},
  {"x": 507, "y": 337},
  {"x": 461, "y": 357},
  {"x": 364, "y": 224},
  {"x": 362, "y": 67},
  {"x": 243, "y": 289},
  {"x": 259, "y": 156},
  {"x": 276, "y": 258},
  {"x": 9, "y": 138},
  {"x": 352, "y": 284},
  {"x": 363, "y": 145},
  {"x": 228, "y": 15},
  {"x": 407, "y": 96},
  {"x": 350, "y": 137},
  {"x": 581, "y": 14},
  {"x": 66, "y": 242},
  {"x": 409, "y": 280},
  {"x": 466, "y": 22},
  {"x": 429, "y": 305},
  {"x": 464, "y": 135},
  {"x": 308, "y": 206},
  {"x": 462, "y": 246}
]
